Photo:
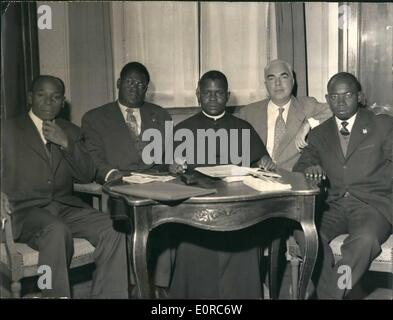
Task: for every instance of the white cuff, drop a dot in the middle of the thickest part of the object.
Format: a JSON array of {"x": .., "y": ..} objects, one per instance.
[
  {"x": 313, "y": 122},
  {"x": 109, "y": 173}
]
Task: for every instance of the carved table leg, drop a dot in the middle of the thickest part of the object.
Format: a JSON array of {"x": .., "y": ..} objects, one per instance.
[
  {"x": 139, "y": 251},
  {"x": 311, "y": 245}
]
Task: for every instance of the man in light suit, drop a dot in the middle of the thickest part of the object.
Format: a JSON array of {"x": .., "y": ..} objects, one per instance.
[
  {"x": 114, "y": 139},
  {"x": 283, "y": 121},
  {"x": 42, "y": 157},
  {"x": 353, "y": 150}
]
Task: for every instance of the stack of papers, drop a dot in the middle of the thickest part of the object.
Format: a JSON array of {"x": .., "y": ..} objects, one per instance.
[
  {"x": 232, "y": 173},
  {"x": 265, "y": 184},
  {"x": 224, "y": 171},
  {"x": 145, "y": 178}
]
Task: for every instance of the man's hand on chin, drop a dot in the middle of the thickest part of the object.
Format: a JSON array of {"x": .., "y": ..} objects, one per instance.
[{"x": 53, "y": 133}]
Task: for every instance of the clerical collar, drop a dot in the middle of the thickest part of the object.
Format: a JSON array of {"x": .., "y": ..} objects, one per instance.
[{"x": 215, "y": 118}]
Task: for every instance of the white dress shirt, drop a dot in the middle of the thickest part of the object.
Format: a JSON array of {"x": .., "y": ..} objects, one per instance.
[
  {"x": 38, "y": 124},
  {"x": 350, "y": 121},
  {"x": 137, "y": 114},
  {"x": 272, "y": 114}
]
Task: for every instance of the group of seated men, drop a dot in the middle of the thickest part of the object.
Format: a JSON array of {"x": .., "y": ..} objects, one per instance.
[{"x": 44, "y": 155}]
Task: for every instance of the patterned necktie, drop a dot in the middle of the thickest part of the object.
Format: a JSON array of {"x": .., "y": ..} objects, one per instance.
[
  {"x": 131, "y": 122},
  {"x": 344, "y": 131},
  {"x": 279, "y": 131}
]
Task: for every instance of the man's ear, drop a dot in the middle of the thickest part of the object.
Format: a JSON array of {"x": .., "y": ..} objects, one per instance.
[
  {"x": 327, "y": 98},
  {"x": 228, "y": 95},
  {"x": 118, "y": 83},
  {"x": 197, "y": 93}
]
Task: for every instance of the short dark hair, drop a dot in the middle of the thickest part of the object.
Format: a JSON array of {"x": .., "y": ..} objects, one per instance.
[
  {"x": 213, "y": 75},
  {"x": 347, "y": 76},
  {"x": 135, "y": 66},
  {"x": 41, "y": 77}
]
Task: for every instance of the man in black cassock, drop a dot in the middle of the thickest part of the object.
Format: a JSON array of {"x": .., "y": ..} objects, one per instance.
[{"x": 218, "y": 265}]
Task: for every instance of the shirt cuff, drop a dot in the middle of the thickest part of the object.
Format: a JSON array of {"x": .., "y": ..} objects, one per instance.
[
  {"x": 109, "y": 173},
  {"x": 313, "y": 123}
]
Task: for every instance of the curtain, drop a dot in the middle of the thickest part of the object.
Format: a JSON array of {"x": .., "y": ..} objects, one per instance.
[
  {"x": 291, "y": 41},
  {"x": 238, "y": 39},
  {"x": 19, "y": 58},
  {"x": 164, "y": 37},
  {"x": 90, "y": 56},
  {"x": 376, "y": 53}
]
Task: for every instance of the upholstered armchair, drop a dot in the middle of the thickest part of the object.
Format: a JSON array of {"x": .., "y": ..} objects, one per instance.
[
  {"x": 18, "y": 260},
  {"x": 383, "y": 263}
]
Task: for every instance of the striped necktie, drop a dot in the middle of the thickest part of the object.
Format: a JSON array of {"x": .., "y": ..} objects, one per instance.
[
  {"x": 279, "y": 131},
  {"x": 131, "y": 122}
]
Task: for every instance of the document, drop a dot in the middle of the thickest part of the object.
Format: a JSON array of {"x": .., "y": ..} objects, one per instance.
[
  {"x": 265, "y": 184},
  {"x": 145, "y": 178},
  {"x": 230, "y": 170}
]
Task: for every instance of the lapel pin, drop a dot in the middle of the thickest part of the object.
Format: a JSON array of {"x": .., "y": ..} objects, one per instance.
[{"x": 364, "y": 131}]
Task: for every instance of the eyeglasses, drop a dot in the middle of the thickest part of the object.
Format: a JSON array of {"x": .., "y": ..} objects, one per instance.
[
  {"x": 218, "y": 94},
  {"x": 135, "y": 83},
  {"x": 346, "y": 95}
]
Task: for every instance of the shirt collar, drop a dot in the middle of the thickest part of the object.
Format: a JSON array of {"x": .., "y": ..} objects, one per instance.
[
  {"x": 215, "y": 118},
  {"x": 125, "y": 108},
  {"x": 37, "y": 121},
  {"x": 38, "y": 124},
  {"x": 276, "y": 107},
  {"x": 350, "y": 121}
]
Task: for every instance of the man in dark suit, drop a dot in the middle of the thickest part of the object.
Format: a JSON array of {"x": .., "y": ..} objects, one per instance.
[
  {"x": 283, "y": 121},
  {"x": 114, "y": 139},
  {"x": 211, "y": 264},
  {"x": 42, "y": 157},
  {"x": 114, "y": 131},
  {"x": 353, "y": 150}
]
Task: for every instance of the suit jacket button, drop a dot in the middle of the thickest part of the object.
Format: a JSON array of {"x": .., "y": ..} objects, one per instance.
[
  {"x": 344, "y": 167},
  {"x": 346, "y": 194},
  {"x": 49, "y": 181}
]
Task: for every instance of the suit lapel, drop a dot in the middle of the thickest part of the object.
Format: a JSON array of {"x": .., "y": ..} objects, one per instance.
[
  {"x": 332, "y": 140},
  {"x": 117, "y": 120},
  {"x": 295, "y": 119},
  {"x": 33, "y": 138},
  {"x": 263, "y": 117},
  {"x": 359, "y": 132}
]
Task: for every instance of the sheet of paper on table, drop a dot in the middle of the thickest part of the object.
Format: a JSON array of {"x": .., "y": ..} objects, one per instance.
[
  {"x": 145, "y": 178},
  {"x": 265, "y": 184},
  {"x": 231, "y": 173}
]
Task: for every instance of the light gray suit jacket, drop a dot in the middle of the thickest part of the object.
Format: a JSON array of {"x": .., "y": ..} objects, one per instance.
[{"x": 300, "y": 110}]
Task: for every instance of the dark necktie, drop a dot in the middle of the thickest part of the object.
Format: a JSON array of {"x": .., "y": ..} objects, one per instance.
[
  {"x": 48, "y": 147},
  {"x": 344, "y": 138},
  {"x": 344, "y": 131},
  {"x": 279, "y": 131}
]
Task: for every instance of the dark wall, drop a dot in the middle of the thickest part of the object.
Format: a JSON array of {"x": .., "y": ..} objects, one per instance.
[{"x": 19, "y": 55}]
